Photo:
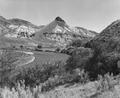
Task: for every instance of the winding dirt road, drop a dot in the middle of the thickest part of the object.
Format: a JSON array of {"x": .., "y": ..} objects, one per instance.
[{"x": 25, "y": 60}]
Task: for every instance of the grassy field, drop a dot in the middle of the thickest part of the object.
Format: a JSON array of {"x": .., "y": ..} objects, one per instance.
[
  {"x": 48, "y": 57},
  {"x": 40, "y": 57}
]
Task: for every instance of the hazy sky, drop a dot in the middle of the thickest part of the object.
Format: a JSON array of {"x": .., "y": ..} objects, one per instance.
[{"x": 91, "y": 14}]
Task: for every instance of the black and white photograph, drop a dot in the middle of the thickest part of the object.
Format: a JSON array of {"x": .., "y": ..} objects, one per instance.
[{"x": 59, "y": 48}]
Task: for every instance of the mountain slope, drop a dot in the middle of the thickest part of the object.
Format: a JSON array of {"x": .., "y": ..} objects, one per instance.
[
  {"x": 61, "y": 34},
  {"x": 109, "y": 39}
]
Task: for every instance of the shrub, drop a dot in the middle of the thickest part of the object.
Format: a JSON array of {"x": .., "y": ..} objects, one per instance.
[
  {"x": 39, "y": 46},
  {"x": 68, "y": 78},
  {"x": 76, "y": 43},
  {"x": 57, "y": 49},
  {"x": 68, "y": 50}
]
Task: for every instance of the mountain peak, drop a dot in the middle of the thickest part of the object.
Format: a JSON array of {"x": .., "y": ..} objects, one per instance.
[{"x": 59, "y": 19}]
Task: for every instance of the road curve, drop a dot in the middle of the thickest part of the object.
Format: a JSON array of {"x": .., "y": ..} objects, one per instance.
[{"x": 24, "y": 61}]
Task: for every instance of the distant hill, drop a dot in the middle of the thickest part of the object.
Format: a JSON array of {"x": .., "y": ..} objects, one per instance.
[{"x": 16, "y": 21}]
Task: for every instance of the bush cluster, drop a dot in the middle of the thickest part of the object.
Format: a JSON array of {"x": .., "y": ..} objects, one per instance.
[{"x": 50, "y": 75}]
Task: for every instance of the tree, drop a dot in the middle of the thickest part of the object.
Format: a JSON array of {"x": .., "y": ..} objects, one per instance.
[
  {"x": 79, "y": 58},
  {"x": 39, "y": 46},
  {"x": 57, "y": 49},
  {"x": 76, "y": 43},
  {"x": 21, "y": 46}
]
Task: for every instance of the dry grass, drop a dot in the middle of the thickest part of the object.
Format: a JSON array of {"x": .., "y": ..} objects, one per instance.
[{"x": 105, "y": 87}]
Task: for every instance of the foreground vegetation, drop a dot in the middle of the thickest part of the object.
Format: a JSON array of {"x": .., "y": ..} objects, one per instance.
[
  {"x": 105, "y": 87},
  {"x": 50, "y": 75}
]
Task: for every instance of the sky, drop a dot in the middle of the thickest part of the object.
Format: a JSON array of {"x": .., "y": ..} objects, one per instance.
[{"x": 91, "y": 14}]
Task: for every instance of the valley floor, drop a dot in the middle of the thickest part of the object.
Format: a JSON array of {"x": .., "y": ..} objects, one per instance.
[{"x": 47, "y": 58}]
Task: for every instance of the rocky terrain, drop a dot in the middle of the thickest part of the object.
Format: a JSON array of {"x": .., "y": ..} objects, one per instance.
[{"x": 55, "y": 34}]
